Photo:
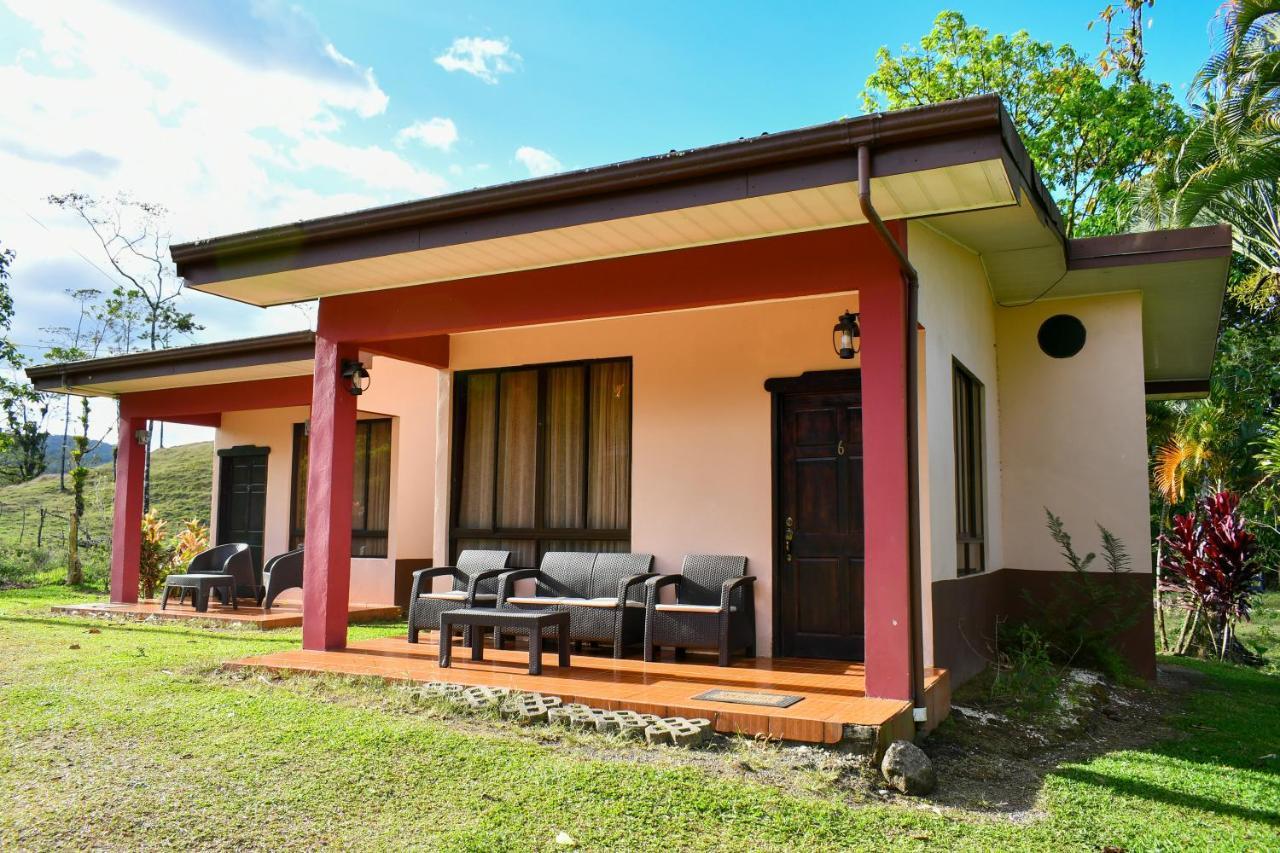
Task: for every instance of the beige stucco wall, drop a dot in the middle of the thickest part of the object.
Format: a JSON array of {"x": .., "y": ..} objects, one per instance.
[
  {"x": 407, "y": 393},
  {"x": 958, "y": 316},
  {"x": 1073, "y": 431},
  {"x": 701, "y": 444}
]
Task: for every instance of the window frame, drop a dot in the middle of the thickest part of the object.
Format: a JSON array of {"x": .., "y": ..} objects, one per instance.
[
  {"x": 539, "y": 533},
  {"x": 301, "y": 435},
  {"x": 974, "y": 454}
]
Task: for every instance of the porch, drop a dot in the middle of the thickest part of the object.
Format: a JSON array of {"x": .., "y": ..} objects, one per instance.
[
  {"x": 832, "y": 694},
  {"x": 283, "y": 615}
]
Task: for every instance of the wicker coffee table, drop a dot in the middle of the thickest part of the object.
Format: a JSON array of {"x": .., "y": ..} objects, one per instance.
[{"x": 532, "y": 622}]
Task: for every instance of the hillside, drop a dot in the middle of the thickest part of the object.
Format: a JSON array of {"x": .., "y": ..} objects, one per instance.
[
  {"x": 181, "y": 480},
  {"x": 100, "y": 454}
]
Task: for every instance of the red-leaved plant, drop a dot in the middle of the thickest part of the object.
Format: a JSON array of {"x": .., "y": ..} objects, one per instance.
[{"x": 1210, "y": 555}]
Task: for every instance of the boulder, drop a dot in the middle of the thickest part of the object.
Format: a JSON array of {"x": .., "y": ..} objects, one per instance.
[{"x": 908, "y": 769}]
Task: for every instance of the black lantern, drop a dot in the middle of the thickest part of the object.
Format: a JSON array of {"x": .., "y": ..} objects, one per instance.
[
  {"x": 845, "y": 336},
  {"x": 356, "y": 377}
]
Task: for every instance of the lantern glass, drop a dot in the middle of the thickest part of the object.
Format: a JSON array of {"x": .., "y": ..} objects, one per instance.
[{"x": 845, "y": 336}]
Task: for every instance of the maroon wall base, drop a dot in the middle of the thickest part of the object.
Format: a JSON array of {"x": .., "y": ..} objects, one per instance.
[{"x": 966, "y": 611}]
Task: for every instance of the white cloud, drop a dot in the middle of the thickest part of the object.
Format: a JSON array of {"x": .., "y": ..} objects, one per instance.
[
  {"x": 537, "y": 161},
  {"x": 434, "y": 133},
  {"x": 369, "y": 165},
  {"x": 484, "y": 58}
]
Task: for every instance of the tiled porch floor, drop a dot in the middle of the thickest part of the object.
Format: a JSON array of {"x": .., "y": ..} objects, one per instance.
[
  {"x": 832, "y": 691},
  {"x": 282, "y": 615}
]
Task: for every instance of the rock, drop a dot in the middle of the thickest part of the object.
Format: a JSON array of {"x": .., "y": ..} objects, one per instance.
[{"x": 908, "y": 769}]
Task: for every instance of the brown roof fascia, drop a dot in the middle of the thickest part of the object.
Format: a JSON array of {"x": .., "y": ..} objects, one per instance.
[
  {"x": 223, "y": 355},
  {"x": 1150, "y": 247},
  {"x": 1176, "y": 389},
  {"x": 915, "y": 131}
]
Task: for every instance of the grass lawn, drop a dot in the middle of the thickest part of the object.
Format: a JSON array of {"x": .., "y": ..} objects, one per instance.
[{"x": 116, "y": 733}]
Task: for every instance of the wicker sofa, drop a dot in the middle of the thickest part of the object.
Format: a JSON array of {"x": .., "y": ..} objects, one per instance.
[
  {"x": 603, "y": 593},
  {"x": 475, "y": 581},
  {"x": 714, "y": 608}
]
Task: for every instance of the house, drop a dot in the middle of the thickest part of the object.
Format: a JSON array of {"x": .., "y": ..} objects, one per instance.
[{"x": 647, "y": 356}]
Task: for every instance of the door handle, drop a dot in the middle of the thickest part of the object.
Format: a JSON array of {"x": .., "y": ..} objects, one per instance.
[{"x": 787, "y": 537}]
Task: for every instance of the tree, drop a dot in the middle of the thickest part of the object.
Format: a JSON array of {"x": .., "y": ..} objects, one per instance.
[
  {"x": 66, "y": 346},
  {"x": 1124, "y": 51},
  {"x": 134, "y": 240},
  {"x": 22, "y": 445},
  {"x": 1090, "y": 140}
]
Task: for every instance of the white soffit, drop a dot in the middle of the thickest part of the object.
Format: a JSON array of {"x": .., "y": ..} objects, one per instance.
[
  {"x": 966, "y": 187},
  {"x": 205, "y": 377}
]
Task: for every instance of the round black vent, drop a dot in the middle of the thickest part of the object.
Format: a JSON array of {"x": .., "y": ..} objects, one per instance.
[{"x": 1061, "y": 336}]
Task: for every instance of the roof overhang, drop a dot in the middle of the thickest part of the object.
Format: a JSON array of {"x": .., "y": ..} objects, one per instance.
[
  {"x": 269, "y": 357},
  {"x": 948, "y": 158}
]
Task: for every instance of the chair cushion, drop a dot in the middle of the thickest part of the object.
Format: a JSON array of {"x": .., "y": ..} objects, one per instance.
[
  {"x": 690, "y": 608},
  {"x": 543, "y": 599},
  {"x": 460, "y": 595},
  {"x": 603, "y": 602}
]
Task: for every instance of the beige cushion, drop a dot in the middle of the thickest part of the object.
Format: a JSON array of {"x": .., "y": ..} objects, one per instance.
[
  {"x": 689, "y": 608},
  {"x": 543, "y": 599},
  {"x": 604, "y": 602},
  {"x": 459, "y": 595}
]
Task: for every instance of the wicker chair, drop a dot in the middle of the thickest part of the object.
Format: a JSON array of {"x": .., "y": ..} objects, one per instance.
[
  {"x": 474, "y": 585},
  {"x": 233, "y": 559},
  {"x": 714, "y": 608},
  {"x": 283, "y": 571},
  {"x": 603, "y": 594}
]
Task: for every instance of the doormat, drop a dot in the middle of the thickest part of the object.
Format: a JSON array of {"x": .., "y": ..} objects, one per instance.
[{"x": 750, "y": 697}]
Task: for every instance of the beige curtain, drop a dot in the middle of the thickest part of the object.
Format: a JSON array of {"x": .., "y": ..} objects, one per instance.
[
  {"x": 517, "y": 448},
  {"x": 475, "y": 509},
  {"x": 609, "y": 466},
  {"x": 563, "y": 499},
  {"x": 378, "y": 511},
  {"x": 299, "y": 520},
  {"x": 360, "y": 476}
]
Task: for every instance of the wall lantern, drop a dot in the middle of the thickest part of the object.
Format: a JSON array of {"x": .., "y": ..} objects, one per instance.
[
  {"x": 142, "y": 437},
  {"x": 356, "y": 377},
  {"x": 846, "y": 336}
]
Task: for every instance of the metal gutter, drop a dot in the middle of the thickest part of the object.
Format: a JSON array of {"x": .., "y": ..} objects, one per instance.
[{"x": 911, "y": 284}]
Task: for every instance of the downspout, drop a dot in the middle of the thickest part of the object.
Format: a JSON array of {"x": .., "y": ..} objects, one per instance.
[{"x": 911, "y": 283}]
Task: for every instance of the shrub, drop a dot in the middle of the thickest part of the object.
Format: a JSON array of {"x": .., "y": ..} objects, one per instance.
[
  {"x": 1081, "y": 623},
  {"x": 1025, "y": 678},
  {"x": 193, "y": 539},
  {"x": 156, "y": 558},
  {"x": 1211, "y": 557}
]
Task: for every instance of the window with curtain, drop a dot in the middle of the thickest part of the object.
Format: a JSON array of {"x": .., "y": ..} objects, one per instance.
[
  {"x": 370, "y": 492},
  {"x": 967, "y": 413},
  {"x": 542, "y": 459}
]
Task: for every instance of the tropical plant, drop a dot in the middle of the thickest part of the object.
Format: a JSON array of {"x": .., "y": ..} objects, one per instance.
[
  {"x": 156, "y": 557},
  {"x": 1210, "y": 556},
  {"x": 193, "y": 539}
]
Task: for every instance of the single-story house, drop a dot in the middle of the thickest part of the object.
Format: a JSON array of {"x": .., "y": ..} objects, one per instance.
[{"x": 863, "y": 354}]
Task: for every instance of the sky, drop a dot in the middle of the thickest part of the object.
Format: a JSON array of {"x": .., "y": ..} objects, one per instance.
[{"x": 237, "y": 114}]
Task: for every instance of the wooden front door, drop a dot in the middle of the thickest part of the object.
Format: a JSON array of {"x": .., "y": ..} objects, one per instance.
[
  {"x": 818, "y": 475},
  {"x": 242, "y": 499}
]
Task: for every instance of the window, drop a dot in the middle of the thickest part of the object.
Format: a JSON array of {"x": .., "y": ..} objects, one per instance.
[
  {"x": 370, "y": 492},
  {"x": 970, "y": 472},
  {"x": 542, "y": 459}
]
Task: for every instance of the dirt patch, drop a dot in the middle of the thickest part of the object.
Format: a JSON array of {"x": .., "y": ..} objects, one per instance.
[{"x": 992, "y": 762}]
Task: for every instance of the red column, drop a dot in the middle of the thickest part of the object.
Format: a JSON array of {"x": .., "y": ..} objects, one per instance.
[
  {"x": 882, "y": 305},
  {"x": 327, "y": 558},
  {"x": 126, "y": 530}
]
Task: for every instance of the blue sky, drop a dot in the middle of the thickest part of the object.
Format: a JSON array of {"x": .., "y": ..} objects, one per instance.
[{"x": 244, "y": 113}]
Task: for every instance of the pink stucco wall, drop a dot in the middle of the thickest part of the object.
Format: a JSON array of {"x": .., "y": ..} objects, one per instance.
[
  {"x": 407, "y": 393},
  {"x": 701, "y": 444}
]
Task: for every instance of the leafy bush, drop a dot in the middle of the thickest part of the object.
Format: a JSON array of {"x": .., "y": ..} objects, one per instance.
[
  {"x": 1211, "y": 558},
  {"x": 157, "y": 555},
  {"x": 1083, "y": 621},
  {"x": 193, "y": 539},
  {"x": 1025, "y": 678},
  {"x": 24, "y": 565}
]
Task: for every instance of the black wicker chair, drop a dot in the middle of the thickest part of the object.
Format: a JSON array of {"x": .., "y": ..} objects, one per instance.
[
  {"x": 603, "y": 594},
  {"x": 475, "y": 584},
  {"x": 233, "y": 559},
  {"x": 283, "y": 571},
  {"x": 714, "y": 608}
]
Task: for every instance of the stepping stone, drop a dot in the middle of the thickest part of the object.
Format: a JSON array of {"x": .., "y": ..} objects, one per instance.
[
  {"x": 678, "y": 731},
  {"x": 628, "y": 724},
  {"x": 443, "y": 690},
  {"x": 574, "y": 715},
  {"x": 480, "y": 698},
  {"x": 529, "y": 708}
]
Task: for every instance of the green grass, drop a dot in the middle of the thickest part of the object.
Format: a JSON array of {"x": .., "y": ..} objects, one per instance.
[
  {"x": 115, "y": 743},
  {"x": 181, "y": 482},
  {"x": 1261, "y": 634}
]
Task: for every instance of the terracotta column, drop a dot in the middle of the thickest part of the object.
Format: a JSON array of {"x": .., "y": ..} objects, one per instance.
[
  {"x": 882, "y": 305},
  {"x": 327, "y": 558},
  {"x": 126, "y": 530}
]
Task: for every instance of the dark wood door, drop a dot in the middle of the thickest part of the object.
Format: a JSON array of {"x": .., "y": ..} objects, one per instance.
[
  {"x": 819, "y": 522},
  {"x": 242, "y": 500}
]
